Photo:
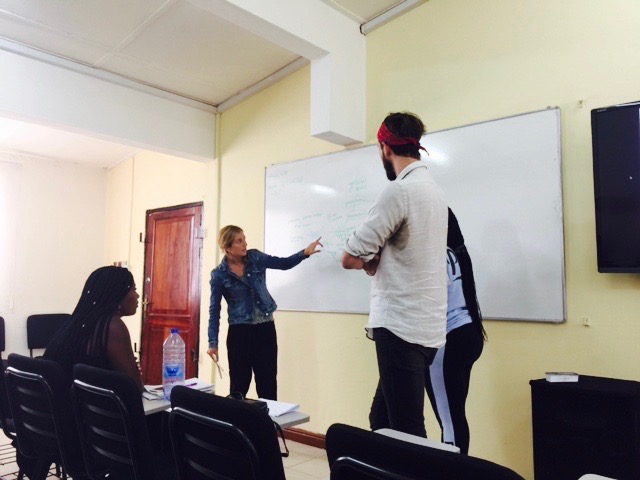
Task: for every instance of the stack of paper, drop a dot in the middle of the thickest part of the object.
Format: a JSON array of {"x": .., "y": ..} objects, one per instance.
[
  {"x": 151, "y": 393},
  {"x": 198, "y": 384},
  {"x": 279, "y": 408}
]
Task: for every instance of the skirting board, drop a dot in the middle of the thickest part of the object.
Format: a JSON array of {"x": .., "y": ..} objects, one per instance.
[{"x": 305, "y": 437}]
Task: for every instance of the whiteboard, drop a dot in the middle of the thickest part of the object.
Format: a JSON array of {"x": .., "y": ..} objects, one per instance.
[{"x": 502, "y": 178}]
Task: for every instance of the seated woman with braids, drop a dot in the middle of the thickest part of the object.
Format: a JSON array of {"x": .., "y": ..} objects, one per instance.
[{"x": 96, "y": 335}]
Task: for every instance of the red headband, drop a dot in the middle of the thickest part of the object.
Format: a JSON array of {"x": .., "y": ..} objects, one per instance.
[{"x": 387, "y": 136}]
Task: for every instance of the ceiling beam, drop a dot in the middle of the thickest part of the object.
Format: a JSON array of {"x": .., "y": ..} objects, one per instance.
[
  {"x": 329, "y": 40},
  {"x": 50, "y": 94}
]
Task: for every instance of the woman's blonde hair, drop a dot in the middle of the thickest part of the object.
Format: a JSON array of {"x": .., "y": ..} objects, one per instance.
[{"x": 226, "y": 236}]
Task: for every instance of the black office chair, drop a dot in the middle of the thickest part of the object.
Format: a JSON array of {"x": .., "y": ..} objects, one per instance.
[
  {"x": 347, "y": 468},
  {"x": 2, "y": 343},
  {"x": 218, "y": 437},
  {"x": 357, "y": 454},
  {"x": 44, "y": 423},
  {"x": 6, "y": 419},
  {"x": 115, "y": 439},
  {"x": 41, "y": 329}
]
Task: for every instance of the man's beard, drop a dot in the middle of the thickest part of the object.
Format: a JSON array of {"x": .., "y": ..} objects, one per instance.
[{"x": 388, "y": 168}]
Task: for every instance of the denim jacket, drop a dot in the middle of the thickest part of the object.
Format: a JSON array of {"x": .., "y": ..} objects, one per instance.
[{"x": 242, "y": 294}]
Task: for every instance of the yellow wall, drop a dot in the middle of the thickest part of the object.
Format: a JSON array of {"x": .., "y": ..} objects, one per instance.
[
  {"x": 456, "y": 62},
  {"x": 150, "y": 181}
]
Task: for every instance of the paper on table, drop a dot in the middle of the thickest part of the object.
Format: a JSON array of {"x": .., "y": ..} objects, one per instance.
[
  {"x": 150, "y": 394},
  {"x": 154, "y": 392},
  {"x": 198, "y": 384},
  {"x": 279, "y": 408}
]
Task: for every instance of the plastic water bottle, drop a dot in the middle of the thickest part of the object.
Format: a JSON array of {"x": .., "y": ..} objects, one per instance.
[{"x": 173, "y": 362}]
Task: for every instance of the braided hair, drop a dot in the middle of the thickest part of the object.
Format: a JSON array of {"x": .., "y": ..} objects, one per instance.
[
  {"x": 84, "y": 338},
  {"x": 455, "y": 241}
]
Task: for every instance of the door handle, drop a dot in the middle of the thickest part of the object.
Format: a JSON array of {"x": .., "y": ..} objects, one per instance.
[{"x": 194, "y": 356}]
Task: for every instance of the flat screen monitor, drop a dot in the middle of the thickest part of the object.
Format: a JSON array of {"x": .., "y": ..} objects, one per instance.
[{"x": 615, "y": 134}]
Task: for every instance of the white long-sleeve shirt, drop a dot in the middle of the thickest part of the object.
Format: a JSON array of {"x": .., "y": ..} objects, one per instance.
[{"x": 409, "y": 290}]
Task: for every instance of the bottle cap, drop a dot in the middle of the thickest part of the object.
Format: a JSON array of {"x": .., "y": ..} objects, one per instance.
[{"x": 174, "y": 330}]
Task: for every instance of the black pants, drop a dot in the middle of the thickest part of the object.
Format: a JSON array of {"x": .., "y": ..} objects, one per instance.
[
  {"x": 399, "y": 399},
  {"x": 253, "y": 349},
  {"x": 447, "y": 383}
]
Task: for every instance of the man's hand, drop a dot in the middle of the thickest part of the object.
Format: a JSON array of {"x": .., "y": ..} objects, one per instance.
[{"x": 372, "y": 265}]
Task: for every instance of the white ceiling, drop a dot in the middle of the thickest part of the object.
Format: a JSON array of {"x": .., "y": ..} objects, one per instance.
[{"x": 171, "y": 45}]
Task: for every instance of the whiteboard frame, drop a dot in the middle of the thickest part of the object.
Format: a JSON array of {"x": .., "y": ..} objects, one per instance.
[{"x": 561, "y": 214}]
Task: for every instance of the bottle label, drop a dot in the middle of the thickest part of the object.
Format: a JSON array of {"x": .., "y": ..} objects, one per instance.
[{"x": 173, "y": 371}]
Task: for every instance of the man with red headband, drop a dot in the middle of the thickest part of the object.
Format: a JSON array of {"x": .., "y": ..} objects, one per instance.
[{"x": 403, "y": 244}]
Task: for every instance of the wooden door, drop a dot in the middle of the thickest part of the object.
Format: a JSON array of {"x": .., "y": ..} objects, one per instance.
[{"x": 171, "y": 293}]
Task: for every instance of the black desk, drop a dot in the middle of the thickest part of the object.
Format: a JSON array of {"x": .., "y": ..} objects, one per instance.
[{"x": 589, "y": 426}]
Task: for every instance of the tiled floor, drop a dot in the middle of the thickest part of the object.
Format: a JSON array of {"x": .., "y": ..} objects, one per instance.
[
  {"x": 8, "y": 467},
  {"x": 303, "y": 463}
]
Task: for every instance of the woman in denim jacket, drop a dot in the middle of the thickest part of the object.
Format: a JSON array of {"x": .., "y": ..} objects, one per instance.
[{"x": 251, "y": 340}]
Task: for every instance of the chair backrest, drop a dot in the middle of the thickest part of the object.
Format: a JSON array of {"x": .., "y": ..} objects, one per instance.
[
  {"x": 41, "y": 329},
  {"x": 5, "y": 410},
  {"x": 405, "y": 459},
  {"x": 6, "y": 421},
  {"x": 219, "y": 437},
  {"x": 115, "y": 439},
  {"x": 45, "y": 427},
  {"x": 347, "y": 468}
]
